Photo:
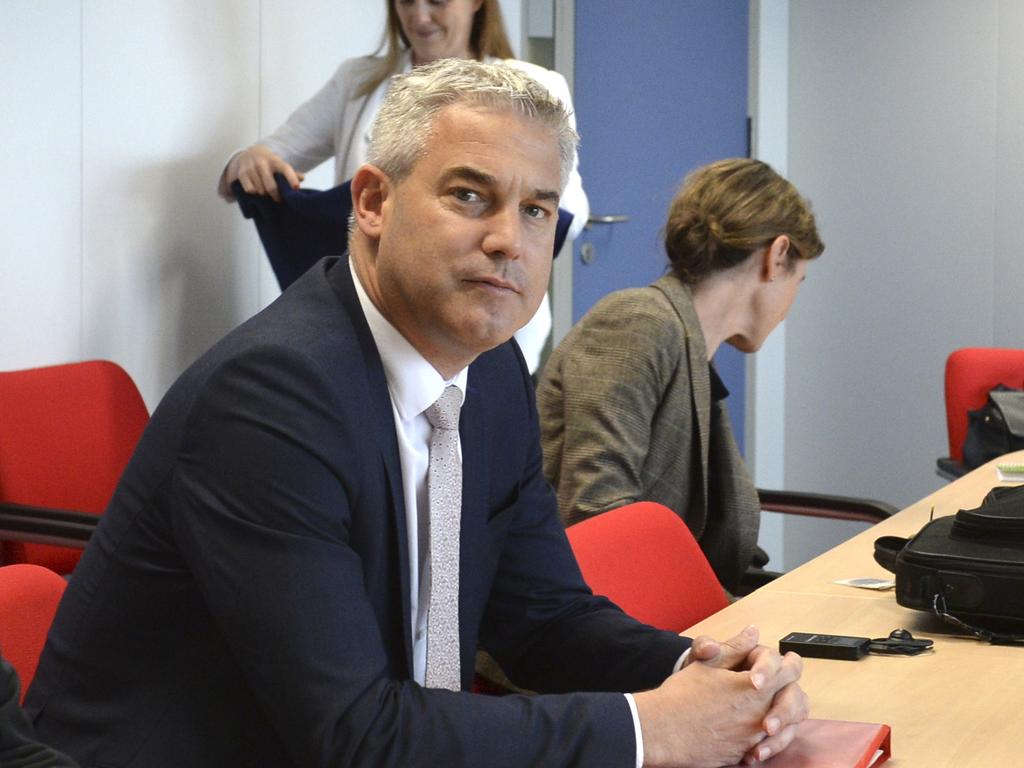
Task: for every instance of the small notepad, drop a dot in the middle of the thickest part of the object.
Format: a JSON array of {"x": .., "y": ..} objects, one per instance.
[
  {"x": 1009, "y": 472},
  {"x": 835, "y": 744}
]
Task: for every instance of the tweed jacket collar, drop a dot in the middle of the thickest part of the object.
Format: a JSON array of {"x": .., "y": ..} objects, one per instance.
[{"x": 680, "y": 296}]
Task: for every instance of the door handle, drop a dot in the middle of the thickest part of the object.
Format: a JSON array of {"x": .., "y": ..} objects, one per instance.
[
  {"x": 587, "y": 251},
  {"x": 615, "y": 218}
]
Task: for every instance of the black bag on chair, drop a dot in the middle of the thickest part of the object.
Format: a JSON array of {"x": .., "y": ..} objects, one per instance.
[
  {"x": 995, "y": 428},
  {"x": 967, "y": 567}
]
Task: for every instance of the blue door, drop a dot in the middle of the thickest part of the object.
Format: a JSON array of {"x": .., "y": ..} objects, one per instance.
[{"x": 660, "y": 89}]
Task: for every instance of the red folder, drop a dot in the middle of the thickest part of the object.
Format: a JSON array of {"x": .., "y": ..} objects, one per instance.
[{"x": 835, "y": 744}]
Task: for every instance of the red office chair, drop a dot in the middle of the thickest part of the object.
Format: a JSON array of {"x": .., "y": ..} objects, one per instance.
[
  {"x": 28, "y": 601},
  {"x": 970, "y": 374},
  {"x": 644, "y": 559},
  {"x": 619, "y": 564},
  {"x": 66, "y": 434}
]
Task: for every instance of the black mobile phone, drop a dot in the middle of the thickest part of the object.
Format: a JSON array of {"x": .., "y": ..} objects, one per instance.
[{"x": 825, "y": 646}]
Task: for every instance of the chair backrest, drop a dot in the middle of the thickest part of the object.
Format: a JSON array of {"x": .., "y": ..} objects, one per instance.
[
  {"x": 29, "y": 595},
  {"x": 970, "y": 374},
  {"x": 644, "y": 559},
  {"x": 309, "y": 224},
  {"x": 66, "y": 434}
]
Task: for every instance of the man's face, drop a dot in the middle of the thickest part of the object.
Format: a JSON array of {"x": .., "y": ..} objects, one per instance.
[{"x": 464, "y": 242}]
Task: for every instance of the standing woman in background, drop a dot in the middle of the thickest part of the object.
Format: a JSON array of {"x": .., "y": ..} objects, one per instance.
[
  {"x": 336, "y": 121},
  {"x": 631, "y": 408}
]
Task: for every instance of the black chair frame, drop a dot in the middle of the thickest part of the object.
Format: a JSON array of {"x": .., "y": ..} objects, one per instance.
[
  {"x": 43, "y": 525},
  {"x": 818, "y": 505}
]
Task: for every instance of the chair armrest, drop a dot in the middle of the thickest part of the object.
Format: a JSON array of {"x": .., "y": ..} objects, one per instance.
[
  {"x": 825, "y": 506},
  {"x": 44, "y": 525},
  {"x": 820, "y": 505},
  {"x": 755, "y": 578}
]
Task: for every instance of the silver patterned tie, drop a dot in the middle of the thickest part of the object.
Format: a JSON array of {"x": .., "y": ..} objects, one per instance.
[{"x": 444, "y": 494}]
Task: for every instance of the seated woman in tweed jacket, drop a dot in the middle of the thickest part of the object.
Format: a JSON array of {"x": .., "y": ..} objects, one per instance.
[{"x": 631, "y": 408}]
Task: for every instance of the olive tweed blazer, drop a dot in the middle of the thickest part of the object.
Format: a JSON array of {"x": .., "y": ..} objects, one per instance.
[{"x": 626, "y": 415}]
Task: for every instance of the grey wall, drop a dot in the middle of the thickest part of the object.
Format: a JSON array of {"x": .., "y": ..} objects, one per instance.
[{"x": 906, "y": 130}]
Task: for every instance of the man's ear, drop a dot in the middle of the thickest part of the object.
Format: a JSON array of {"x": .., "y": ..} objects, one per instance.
[
  {"x": 775, "y": 260},
  {"x": 371, "y": 188}
]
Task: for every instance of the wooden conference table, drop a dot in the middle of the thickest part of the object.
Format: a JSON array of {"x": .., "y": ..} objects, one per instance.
[{"x": 961, "y": 706}]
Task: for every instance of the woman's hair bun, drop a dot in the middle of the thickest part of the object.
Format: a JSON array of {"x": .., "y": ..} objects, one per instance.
[{"x": 726, "y": 210}]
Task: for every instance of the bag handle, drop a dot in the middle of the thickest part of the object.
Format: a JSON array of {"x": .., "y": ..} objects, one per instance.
[{"x": 886, "y": 550}]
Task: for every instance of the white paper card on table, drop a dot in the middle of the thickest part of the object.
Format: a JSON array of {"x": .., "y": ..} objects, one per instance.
[{"x": 867, "y": 583}]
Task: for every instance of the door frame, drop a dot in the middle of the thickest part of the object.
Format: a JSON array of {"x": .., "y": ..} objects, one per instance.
[{"x": 561, "y": 272}]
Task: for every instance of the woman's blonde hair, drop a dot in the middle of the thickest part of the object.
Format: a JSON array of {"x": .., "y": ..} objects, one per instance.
[
  {"x": 486, "y": 38},
  {"x": 725, "y": 211}
]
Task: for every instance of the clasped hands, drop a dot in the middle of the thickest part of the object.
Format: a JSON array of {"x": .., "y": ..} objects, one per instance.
[{"x": 733, "y": 701}]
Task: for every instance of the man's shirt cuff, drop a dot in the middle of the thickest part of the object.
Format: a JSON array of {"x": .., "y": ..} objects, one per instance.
[
  {"x": 636, "y": 717},
  {"x": 637, "y": 731},
  {"x": 682, "y": 660}
]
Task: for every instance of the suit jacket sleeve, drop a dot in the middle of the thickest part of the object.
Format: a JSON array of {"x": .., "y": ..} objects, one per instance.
[
  {"x": 266, "y": 515},
  {"x": 19, "y": 747},
  {"x": 600, "y": 397},
  {"x": 543, "y": 624}
]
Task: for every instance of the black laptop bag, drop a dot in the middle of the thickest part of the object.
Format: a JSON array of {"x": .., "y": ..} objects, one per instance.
[{"x": 969, "y": 566}]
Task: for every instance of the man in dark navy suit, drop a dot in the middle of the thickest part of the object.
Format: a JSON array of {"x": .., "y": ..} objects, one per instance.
[
  {"x": 257, "y": 593},
  {"x": 19, "y": 747}
]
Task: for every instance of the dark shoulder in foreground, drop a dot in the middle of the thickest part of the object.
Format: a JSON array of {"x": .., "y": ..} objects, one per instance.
[{"x": 18, "y": 745}]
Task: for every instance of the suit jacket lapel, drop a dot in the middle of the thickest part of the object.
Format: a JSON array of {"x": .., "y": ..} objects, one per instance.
[
  {"x": 378, "y": 400},
  {"x": 681, "y": 298},
  {"x": 475, "y": 465}
]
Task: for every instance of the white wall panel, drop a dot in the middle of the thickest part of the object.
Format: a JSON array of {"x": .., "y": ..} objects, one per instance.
[
  {"x": 166, "y": 270},
  {"x": 892, "y": 134},
  {"x": 766, "y": 371},
  {"x": 40, "y": 200},
  {"x": 1008, "y": 298}
]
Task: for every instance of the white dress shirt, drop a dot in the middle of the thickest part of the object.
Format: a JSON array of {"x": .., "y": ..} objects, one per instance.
[{"x": 414, "y": 385}]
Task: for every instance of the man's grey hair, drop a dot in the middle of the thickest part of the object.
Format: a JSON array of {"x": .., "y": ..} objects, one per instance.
[{"x": 405, "y": 121}]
